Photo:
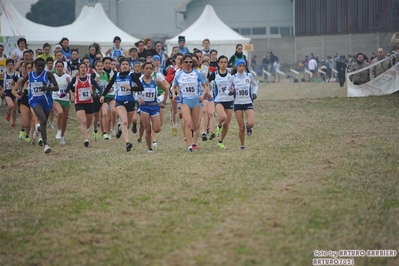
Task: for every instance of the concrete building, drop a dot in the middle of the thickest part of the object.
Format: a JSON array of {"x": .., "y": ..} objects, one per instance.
[{"x": 251, "y": 18}]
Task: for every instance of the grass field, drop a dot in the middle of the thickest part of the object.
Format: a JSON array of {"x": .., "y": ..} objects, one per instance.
[{"x": 320, "y": 172}]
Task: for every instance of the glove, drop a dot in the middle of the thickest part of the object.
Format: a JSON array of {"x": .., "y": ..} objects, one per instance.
[
  {"x": 254, "y": 96},
  {"x": 231, "y": 92}
]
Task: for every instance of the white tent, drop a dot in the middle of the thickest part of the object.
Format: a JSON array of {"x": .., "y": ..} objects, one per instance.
[
  {"x": 92, "y": 25},
  {"x": 209, "y": 25}
]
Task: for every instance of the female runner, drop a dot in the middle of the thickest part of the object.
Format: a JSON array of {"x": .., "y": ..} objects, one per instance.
[
  {"x": 149, "y": 107},
  {"x": 62, "y": 101},
  {"x": 39, "y": 95},
  {"x": 186, "y": 85},
  {"x": 245, "y": 88},
  {"x": 126, "y": 83}
]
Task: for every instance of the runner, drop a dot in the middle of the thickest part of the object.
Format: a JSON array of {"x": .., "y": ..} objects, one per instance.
[
  {"x": 21, "y": 93},
  {"x": 149, "y": 107},
  {"x": 186, "y": 85},
  {"x": 245, "y": 88},
  {"x": 62, "y": 101},
  {"x": 81, "y": 85},
  {"x": 126, "y": 83},
  {"x": 39, "y": 94},
  {"x": 224, "y": 103},
  {"x": 11, "y": 101}
]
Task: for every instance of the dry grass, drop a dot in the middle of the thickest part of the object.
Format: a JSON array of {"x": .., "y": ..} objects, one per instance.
[{"x": 320, "y": 172}]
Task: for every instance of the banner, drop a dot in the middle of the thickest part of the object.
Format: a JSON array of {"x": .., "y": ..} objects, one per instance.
[{"x": 386, "y": 83}]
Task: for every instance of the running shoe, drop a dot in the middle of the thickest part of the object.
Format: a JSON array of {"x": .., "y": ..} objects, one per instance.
[
  {"x": 150, "y": 150},
  {"x": 8, "y": 116},
  {"x": 105, "y": 136},
  {"x": 134, "y": 128},
  {"x": 62, "y": 141},
  {"x": 218, "y": 131},
  {"x": 139, "y": 141},
  {"x": 174, "y": 131},
  {"x": 21, "y": 134},
  {"x": 242, "y": 148},
  {"x": 113, "y": 132},
  {"x": 119, "y": 133},
  {"x": 190, "y": 149},
  {"x": 40, "y": 142},
  {"x": 95, "y": 134},
  {"x": 154, "y": 143},
  {"x": 58, "y": 136},
  {"x": 212, "y": 136},
  {"x": 249, "y": 131},
  {"x": 27, "y": 139},
  {"x": 47, "y": 149},
  {"x": 129, "y": 146},
  {"x": 51, "y": 125},
  {"x": 86, "y": 143},
  {"x": 204, "y": 138},
  {"x": 13, "y": 126},
  {"x": 221, "y": 145},
  {"x": 195, "y": 147}
]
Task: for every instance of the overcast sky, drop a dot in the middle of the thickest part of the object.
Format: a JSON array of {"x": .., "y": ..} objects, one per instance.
[{"x": 23, "y": 6}]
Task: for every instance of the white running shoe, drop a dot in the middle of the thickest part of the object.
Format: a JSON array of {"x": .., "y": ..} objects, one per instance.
[
  {"x": 51, "y": 125},
  {"x": 62, "y": 141},
  {"x": 47, "y": 149},
  {"x": 58, "y": 136},
  {"x": 113, "y": 132}
]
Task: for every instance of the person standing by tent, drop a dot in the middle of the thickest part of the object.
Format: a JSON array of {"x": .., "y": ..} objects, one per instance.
[
  {"x": 66, "y": 51},
  {"x": 46, "y": 51},
  {"x": 116, "y": 50},
  {"x": 182, "y": 41},
  {"x": 17, "y": 54},
  {"x": 206, "y": 50},
  {"x": 161, "y": 53},
  {"x": 140, "y": 49},
  {"x": 236, "y": 56}
]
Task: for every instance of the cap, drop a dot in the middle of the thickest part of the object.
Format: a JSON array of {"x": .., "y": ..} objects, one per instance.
[
  {"x": 241, "y": 62},
  {"x": 182, "y": 39}
]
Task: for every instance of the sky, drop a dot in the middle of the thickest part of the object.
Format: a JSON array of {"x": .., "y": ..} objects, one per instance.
[{"x": 23, "y": 6}]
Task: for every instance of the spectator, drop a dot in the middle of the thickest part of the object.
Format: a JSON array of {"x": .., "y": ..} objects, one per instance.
[
  {"x": 253, "y": 62},
  {"x": 182, "y": 41},
  {"x": 341, "y": 69},
  {"x": 312, "y": 65},
  {"x": 329, "y": 66},
  {"x": 377, "y": 70},
  {"x": 363, "y": 76}
]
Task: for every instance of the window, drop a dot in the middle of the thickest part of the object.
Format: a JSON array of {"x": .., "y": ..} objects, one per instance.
[
  {"x": 236, "y": 30},
  {"x": 285, "y": 31},
  {"x": 259, "y": 31},
  {"x": 246, "y": 31},
  {"x": 274, "y": 30}
]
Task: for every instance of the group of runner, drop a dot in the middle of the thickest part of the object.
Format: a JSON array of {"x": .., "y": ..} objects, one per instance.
[{"x": 112, "y": 92}]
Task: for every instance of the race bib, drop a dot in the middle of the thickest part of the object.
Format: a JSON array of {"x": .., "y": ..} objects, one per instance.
[
  {"x": 84, "y": 94},
  {"x": 36, "y": 89}
]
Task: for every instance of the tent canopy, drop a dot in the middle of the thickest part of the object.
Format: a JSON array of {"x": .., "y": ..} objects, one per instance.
[
  {"x": 221, "y": 36},
  {"x": 81, "y": 32}
]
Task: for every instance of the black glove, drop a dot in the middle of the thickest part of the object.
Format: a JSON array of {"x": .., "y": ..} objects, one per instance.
[{"x": 254, "y": 96}]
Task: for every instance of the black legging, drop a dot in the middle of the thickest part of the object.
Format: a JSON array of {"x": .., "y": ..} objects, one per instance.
[
  {"x": 42, "y": 116},
  {"x": 341, "y": 80}
]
